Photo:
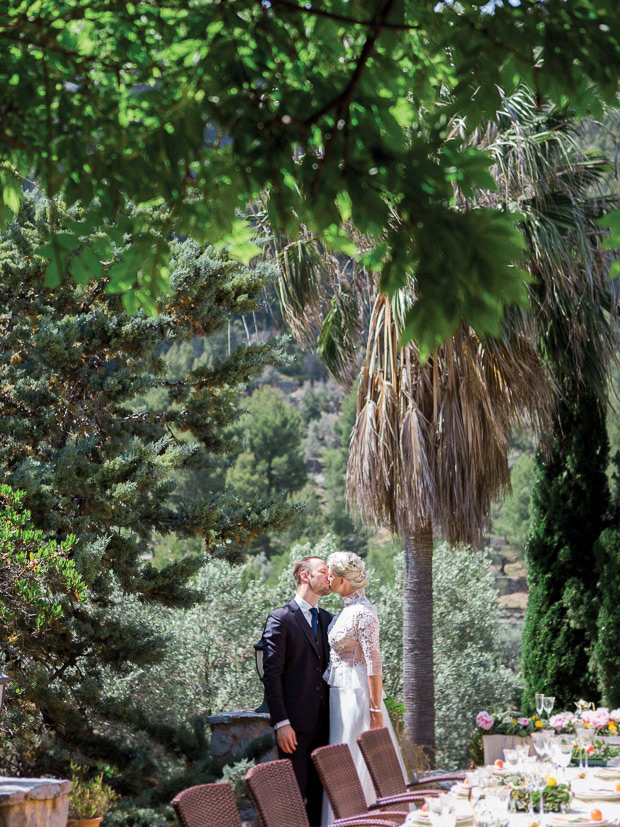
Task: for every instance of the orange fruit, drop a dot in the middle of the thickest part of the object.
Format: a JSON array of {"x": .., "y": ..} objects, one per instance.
[
  {"x": 499, "y": 764},
  {"x": 424, "y": 808},
  {"x": 596, "y": 815}
]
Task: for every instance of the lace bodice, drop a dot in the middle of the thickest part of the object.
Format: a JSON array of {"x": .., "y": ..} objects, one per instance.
[{"x": 354, "y": 635}]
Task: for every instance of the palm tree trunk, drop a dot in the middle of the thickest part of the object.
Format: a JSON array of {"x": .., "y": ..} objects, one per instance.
[{"x": 418, "y": 683}]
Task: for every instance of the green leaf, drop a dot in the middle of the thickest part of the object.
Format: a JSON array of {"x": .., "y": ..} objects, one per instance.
[{"x": 335, "y": 239}]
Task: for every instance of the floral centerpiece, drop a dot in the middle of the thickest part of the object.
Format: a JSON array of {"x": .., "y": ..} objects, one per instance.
[
  {"x": 508, "y": 723},
  {"x": 601, "y": 720}
]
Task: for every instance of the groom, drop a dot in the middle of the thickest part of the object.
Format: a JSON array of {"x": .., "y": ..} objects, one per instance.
[{"x": 295, "y": 655}]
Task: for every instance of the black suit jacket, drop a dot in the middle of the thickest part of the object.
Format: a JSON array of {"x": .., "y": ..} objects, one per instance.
[{"x": 294, "y": 666}]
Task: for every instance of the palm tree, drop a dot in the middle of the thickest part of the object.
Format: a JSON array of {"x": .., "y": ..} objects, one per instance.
[{"x": 428, "y": 451}]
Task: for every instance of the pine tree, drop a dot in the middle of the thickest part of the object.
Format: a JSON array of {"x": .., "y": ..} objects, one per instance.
[
  {"x": 569, "y": 502},
  {"x": 93, "y": 465}
]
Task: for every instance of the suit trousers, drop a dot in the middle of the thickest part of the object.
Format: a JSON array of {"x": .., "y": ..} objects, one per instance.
[{"x": 303, "y": 766}]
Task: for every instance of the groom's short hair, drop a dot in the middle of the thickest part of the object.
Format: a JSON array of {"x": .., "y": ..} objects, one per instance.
[{"x": 303, "y": 565}]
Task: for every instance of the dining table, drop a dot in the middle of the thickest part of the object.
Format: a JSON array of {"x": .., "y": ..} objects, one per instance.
[{"x": 595, "y": 802}]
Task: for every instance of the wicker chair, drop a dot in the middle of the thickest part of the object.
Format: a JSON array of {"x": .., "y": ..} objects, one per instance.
[
  {"x": 207, "y": 805},
  {"x": 342, "y": 785},
  {"x": 384, "y": 768},
  {"x": 276, "y": 796}
]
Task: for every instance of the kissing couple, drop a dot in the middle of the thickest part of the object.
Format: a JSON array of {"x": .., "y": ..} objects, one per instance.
[{"x": 323, "y": 673}]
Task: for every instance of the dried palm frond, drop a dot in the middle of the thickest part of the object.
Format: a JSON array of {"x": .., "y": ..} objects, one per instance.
[{"x": 430, "y": 441}]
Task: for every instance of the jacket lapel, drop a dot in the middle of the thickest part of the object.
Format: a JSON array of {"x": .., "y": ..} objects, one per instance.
[{"x": 304, "y": 625}]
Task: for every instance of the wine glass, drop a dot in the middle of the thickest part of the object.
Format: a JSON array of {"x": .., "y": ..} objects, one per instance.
[
  {"x": 543, "y": 771},
  {"x": 580, "y": 737},
  {"x": 540, "y": 741},
  {"x": 548, "y": 702},
  {"x": 539, "y": 698},
  {"x": 563, "y": 753},
  {"x": 588, "y": 738}
]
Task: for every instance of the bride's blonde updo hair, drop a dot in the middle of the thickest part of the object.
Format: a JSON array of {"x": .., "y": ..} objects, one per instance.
[{"x": 348, "y": 565}]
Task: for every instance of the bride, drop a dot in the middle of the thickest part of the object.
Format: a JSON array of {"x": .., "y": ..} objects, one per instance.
[{"x": 354, "y": 673}]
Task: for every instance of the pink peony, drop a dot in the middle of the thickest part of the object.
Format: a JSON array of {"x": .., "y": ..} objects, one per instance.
[
  {"x": 615, "y": 715},
  {"x": 484, "y": 720},
  {"x": 559, "y": 721},
  {"x": 523, "y": 721},
  {"x": 600, "y": 717}
]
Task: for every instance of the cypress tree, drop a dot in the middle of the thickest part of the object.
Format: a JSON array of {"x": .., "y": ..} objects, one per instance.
[
  {"x": 569, "y": 502},
  {"x": 93, "y": 465}
]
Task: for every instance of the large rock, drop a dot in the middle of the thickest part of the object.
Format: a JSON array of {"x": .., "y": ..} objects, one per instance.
[
  {"x": 34, "y": 802},
  {"x": 231, "y": 732}
]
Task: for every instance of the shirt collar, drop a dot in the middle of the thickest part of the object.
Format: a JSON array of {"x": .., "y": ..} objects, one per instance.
[{"x": 303, "y": 604}]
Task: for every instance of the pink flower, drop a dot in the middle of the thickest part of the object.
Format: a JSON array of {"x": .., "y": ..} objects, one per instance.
[
  {"x": 587, "y": 716},
  {"x": 523, "y": 721},
  {"x": 484, "y": 720},
  {"x": 558, "y": 722},
  {"x": 615, "y": 715},
  {"x": 600, "y": 717}
]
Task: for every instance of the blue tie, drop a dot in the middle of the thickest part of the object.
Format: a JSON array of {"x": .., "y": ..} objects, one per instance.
[{"x": 315, "y": 620}]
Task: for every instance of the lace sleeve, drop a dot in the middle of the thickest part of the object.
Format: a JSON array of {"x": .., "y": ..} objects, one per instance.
[{"x": 367, "y": 628}]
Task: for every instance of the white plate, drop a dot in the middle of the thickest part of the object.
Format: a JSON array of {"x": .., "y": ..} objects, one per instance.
[
  {"x": 607, "y": 772},
  {"x": 597, "y": 795},
  {"x": 462, "y": 790},
  {"x": 422, "y": 818},
  {"x": 578, "y": 820}
]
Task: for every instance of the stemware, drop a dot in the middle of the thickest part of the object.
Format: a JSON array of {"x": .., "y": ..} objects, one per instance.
[
  {"x": 588, "y": 738},
  {"x": 539, "y": 699},
  {"x": 442, "y": 810},
  {"x": 563, "y": 752},
  {"x": 523, "y": 751},
  {"x": 540, "y": 741},
  {"x": 543, "y": 771},
  {"x": 511, "y": 759},
  {"x": 548, "y": 702},
  {"x": 580, "y": 737}
]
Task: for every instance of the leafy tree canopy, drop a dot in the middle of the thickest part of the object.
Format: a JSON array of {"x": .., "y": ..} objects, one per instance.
[
  {"x": 94, "y": 463},
  {"x": 339, "y": 113}
]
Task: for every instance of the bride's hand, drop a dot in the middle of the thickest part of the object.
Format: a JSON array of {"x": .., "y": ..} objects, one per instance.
[{"x": 376, "y": 720}]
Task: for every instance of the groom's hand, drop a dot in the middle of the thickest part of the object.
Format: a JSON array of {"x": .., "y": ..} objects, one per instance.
[{"x": 287, "y": 740}]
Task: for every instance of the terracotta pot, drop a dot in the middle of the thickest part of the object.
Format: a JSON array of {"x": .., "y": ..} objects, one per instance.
[{"x": 84, "y": 822}]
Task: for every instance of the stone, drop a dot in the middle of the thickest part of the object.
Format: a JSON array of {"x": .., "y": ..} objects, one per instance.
[
  {"x": 231, "y": 732},
  {"x": 34, "y": 802}
]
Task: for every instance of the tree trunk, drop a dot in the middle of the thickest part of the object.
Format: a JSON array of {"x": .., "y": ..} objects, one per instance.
[{"x": 418, "y": 683}]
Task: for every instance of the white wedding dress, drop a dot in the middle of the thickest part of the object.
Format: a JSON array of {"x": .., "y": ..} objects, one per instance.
[{"x": 354, "y": 655}]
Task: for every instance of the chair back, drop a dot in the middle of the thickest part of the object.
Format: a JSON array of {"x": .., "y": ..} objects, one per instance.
[
  {"x": 207, "y": 805},
  {"x": 382, "y": 762},
  {"x": 340, "y": 780},
  {"x": 276, "y": 796}
]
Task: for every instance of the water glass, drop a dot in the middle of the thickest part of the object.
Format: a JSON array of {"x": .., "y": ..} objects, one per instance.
[
  {"x": 548, "y": 702},
  {"x": 511, "y": 759},
  {"x": 523, "y": 751},
  {"x": 442, "y": 810}
]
